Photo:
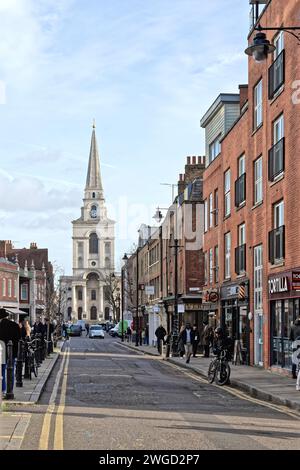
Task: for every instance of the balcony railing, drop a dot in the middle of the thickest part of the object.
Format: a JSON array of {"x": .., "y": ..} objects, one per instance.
[
  {"x": 240, "y": 190},
  {"x": 277, "y": 244},
  {"x": 276, "y": 160},
  {"x": 240, "y": 259},
  {"x": 276, "y": 75}
]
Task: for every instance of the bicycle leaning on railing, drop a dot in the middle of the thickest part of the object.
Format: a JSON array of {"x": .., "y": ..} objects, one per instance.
[{"x": 219, "y": 368}]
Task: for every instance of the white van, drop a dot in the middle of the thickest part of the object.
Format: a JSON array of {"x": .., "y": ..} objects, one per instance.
[{"x": 82, "y": 324}]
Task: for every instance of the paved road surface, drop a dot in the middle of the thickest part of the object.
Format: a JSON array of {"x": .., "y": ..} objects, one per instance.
[{"x": 101, "y": 395}]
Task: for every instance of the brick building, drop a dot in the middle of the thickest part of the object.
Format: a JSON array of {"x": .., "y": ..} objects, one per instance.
[
  {"x": 35, "y": 278},
  {"x": 256, "y": 175},
  {"x": 151, "y": 268},
  {"x": 9, "y": 285}
]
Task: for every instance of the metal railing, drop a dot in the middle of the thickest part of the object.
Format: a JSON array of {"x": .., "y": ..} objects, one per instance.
[
  {"x": 277, "y": 244},
  {"x": 240, "y": 190},
  {"x": 276, "y": 74},
  {"x": 276, "y": 159},
  {"x": 240, "y": 259}
]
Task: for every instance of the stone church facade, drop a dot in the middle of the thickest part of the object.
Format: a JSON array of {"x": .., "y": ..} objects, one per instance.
[{"x": 84, "y": 294}]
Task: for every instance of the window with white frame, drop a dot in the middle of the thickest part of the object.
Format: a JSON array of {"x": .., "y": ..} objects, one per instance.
[
  {"x": 24, "y": 291},
  {"x": 242, "y": 165},
  {"x": 278, "y": 214},
  {"x": 278, "y": 129},
  {"x": 227, "y": 175},
  {"x": 15, "y": 288},
  {"x": 216, "y": 207},
  {"x": 242, "y": 234},
  {"x": 211, "y": 266},
  {"x": 227, "y": 246},
  {"x": 258, "y": 105},
  {"x": 214, "y": 149},
  {"x": 258, "y": 181},
  {"x": 258, "y": 277},
  {"x": 211, "y": 211},
  {"x": 205, "y": 215},
  {"x": 9, "y": 288},
  {"x": 216, "y": 264},
  {"x": 279, "y": 44},
  {"x": 205, "y": 268},
  {"x": 4, "y": 287}
]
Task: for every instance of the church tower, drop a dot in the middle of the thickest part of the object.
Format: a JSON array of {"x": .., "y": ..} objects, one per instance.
[{"x": 93, "y": 247}]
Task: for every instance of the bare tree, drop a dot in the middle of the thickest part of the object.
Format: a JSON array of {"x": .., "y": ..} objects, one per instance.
[
  {"x": 53, "y": 291},
  {"x": 112, "y": 294}
]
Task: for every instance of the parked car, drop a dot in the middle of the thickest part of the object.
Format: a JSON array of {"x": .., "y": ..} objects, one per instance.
[
  {"x": 114, "y": 331},
  {"x": 96, "y": 331},
  {"x": 75, "y": 330}
]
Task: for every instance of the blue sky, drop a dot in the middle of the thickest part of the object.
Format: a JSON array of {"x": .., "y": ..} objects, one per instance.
[{"x": 145, "y": 70}]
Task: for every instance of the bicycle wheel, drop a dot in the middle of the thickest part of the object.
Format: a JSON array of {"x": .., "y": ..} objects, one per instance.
[
  {"x": 213, "y": 366},
  {"x": 223, "y": 373},
  {"x": 34, "y": 368}
]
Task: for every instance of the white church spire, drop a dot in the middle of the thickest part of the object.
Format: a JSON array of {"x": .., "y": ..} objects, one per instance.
[{"x": 93, "y": 179}]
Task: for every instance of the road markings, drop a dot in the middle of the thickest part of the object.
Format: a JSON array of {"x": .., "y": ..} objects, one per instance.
[
  {"x": 240, "y": 394},
  {"x": 44, "y": 439},
  {"x": 59, "y": 422}
]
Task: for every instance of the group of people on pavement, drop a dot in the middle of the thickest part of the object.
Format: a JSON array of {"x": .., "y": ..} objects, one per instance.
[
  {"x": 11, "y": 330},
  {"x": 188, "y": 341}
]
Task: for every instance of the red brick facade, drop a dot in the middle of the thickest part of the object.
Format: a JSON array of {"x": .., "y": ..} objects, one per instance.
[{"x": 259, "y": 220}]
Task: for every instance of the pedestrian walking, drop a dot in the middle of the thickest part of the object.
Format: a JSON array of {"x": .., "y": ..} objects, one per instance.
[
  {"x": 195, "y": 340},
  {"x": 207, "y": 337},
  {"x": 22, "y": 329},
  {"x": 294, "y": 334},
  {"x": 160, "y": 334},
  {"x": 128, "y": 334},
  {"x": 87, "y": 327},
  {"x": 27, "y": 328},
  {"x": 188, "y": 336}
]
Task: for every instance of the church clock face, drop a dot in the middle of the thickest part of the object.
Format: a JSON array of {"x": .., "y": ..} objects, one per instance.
[{"x": 93, "y": 212}]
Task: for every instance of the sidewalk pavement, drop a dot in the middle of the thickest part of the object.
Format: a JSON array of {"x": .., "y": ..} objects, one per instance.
[
  {"x": 32, "y": 389},
  {"x": 259, "y": 383},
  {"x": 12, "y": 430}
]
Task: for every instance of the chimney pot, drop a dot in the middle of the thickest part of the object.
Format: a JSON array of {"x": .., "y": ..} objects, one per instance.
[
  {"x": 194, "y": 160},
  {"x": 188, "y": 160}
]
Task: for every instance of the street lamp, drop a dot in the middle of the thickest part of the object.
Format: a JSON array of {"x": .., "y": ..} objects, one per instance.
[
  {"x": 125, "y": 259},
  {"x": 261, "y": 46}
]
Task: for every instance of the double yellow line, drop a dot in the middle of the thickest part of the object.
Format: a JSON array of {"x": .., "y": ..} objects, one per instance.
[{"x": 59, "y": 414}]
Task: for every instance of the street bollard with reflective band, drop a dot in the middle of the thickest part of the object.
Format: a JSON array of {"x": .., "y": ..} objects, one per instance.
[
  {"x": 10, "y": 372},
  {"x": 19, "y": 367}
]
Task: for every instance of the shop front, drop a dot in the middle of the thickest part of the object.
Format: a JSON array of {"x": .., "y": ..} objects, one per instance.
[
  {"x": 235, "y": 315},
  {"x": 284, "y": 299}
]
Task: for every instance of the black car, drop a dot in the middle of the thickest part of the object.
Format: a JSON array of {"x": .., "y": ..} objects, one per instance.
[{"x": 75, "y": 330}]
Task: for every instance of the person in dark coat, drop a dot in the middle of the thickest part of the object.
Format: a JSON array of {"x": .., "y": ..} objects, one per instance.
[
  {"x": 38, "y": 327},
  {"x": 195, "y": 340},
  {"x": 207, "y": 337},
  {"x": 22, "y": 329},
  {"x": 294, "y": 334},
  {"x": 9, "y": 331},
  {"x": 188, "y": 337},
  {"x": 87, "y": 327},
  {"x": 160, "y": 334}
]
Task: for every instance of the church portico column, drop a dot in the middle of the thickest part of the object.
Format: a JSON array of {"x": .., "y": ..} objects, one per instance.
[
  {"x": 101, "y": 302},
  {"x": 74, "y": 301},
  {"x": 84, "y": 293}
]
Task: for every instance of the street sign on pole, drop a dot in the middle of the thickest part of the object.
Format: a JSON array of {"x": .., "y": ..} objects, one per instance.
[{"x": 149, "y": 290}]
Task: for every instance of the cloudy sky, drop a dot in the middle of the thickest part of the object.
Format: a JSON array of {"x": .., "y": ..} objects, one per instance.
[{"x": 145, "y": 70}]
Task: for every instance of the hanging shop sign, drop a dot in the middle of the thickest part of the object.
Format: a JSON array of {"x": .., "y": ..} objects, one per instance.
[
  {"x": 296, "y": 280},
  {"x": 213, "y": 297}
]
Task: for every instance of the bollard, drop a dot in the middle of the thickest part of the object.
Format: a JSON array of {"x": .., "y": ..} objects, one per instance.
[
  {"x": 27, "y": 370},
  {"x": 19, "y": 367},
  {"x": 10, "y": 372},
  {"x": 1, "y": 378}
]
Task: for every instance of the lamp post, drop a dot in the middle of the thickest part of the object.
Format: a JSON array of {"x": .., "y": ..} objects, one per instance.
[
  {"x": 261, "y": 46},
  {"x": 175, "y": 326},
  {"x": 125, "y": 259}
]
